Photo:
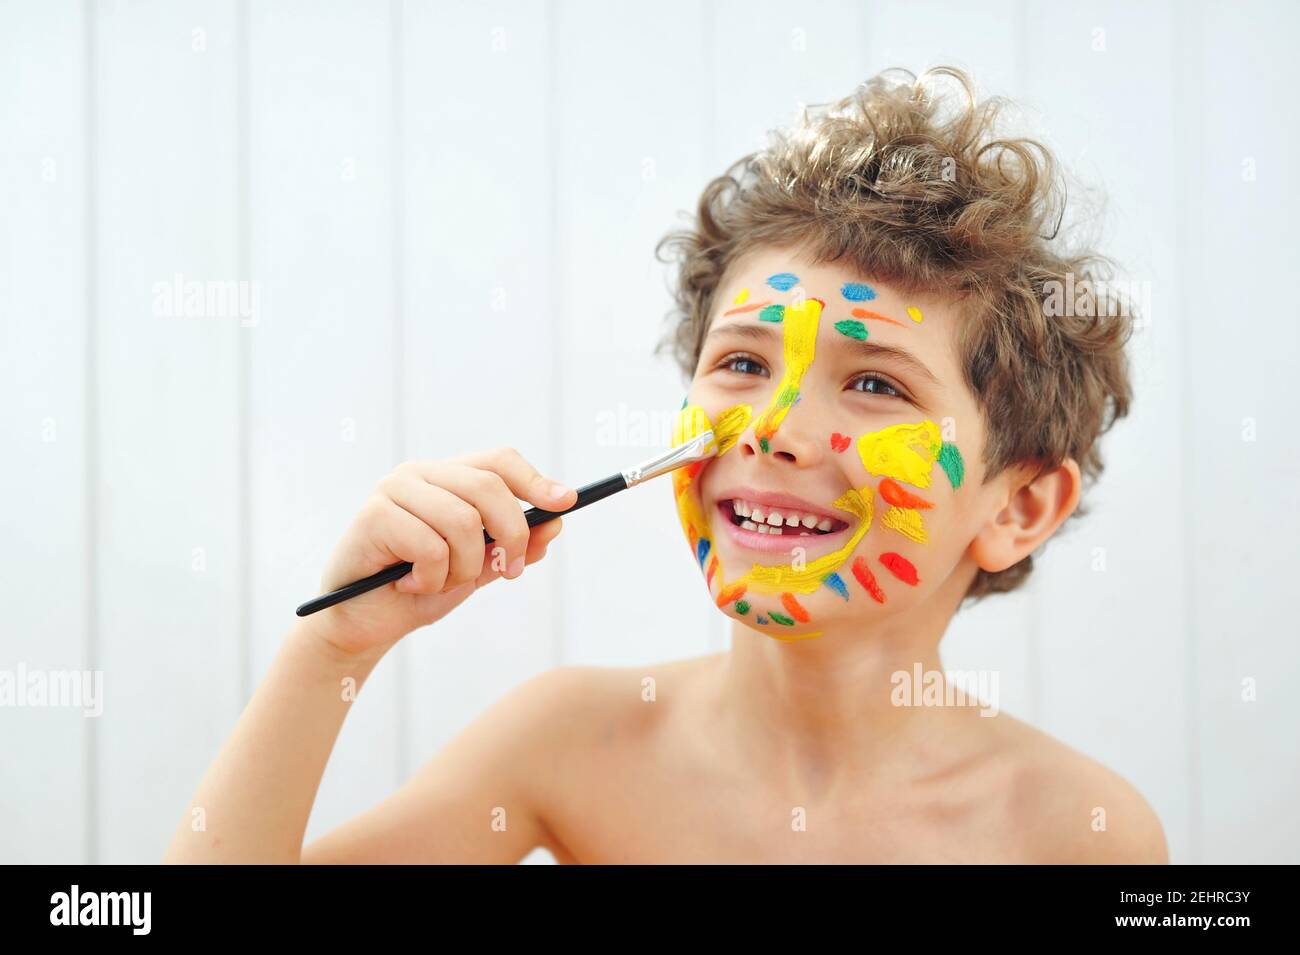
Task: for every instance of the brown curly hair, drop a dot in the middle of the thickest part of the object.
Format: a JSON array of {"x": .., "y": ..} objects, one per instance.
[{"x": 915, "y": 187}]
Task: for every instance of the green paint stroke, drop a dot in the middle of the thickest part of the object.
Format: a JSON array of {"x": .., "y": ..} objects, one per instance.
[
  {"x": 952, "y": 464},
  {"x": 772, "y": 313},
  {"x": 762, "y": 443},
  {"x": 787, "y": 397},
  {"x": 742, "y": 607},
  {"x": 852, "y": 328},
  {"x": 782, "y": 619}
]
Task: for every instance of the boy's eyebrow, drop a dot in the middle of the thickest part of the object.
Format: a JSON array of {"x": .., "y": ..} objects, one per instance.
[{"x": 768, "y": 331}]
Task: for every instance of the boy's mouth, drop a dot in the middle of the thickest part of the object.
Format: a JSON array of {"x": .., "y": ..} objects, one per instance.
[{"x": 762, "y": 522}]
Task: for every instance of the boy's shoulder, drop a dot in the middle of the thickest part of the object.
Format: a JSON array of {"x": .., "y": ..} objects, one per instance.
[
  {"x": 1068, "y": 807},
  {"x": 584, "y": 699}
]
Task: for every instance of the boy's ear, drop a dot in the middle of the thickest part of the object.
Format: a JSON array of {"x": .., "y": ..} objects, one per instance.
[{"x": 1035, "y": 507}]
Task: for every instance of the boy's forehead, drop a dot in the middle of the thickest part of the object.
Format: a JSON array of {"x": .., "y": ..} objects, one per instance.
[
  {"x": 790, "y": 266},
  {"x": 778, "y": 274}
]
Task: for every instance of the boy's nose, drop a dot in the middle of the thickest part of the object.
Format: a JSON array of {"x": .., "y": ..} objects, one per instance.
[{"x": 792, "y": 444}]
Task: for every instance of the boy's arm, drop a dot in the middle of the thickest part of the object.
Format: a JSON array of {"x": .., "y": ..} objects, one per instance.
[
  {"x": 254, "y": 802},
  {"x": 479, "y": 800}
]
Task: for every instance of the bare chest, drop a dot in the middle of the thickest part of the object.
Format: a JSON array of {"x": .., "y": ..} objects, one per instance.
[{"x": 645, "y": 811}]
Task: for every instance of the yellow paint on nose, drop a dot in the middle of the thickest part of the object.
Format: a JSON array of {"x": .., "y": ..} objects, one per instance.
[{"x": 799, "y": 340}]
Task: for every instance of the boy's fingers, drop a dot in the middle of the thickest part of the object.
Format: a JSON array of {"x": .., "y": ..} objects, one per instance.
[
  {"x": 454, "y": 520},
  {"x": 488, "y": 494},
  {"x": 408, "y": 538},
  {"x": 542, "y": 536},
  {"x": 523, "y": 479},
  {"x": 538, "y": 541}
]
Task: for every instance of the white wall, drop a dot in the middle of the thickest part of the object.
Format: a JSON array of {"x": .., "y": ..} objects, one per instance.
[{"x": 449, "y": 212}]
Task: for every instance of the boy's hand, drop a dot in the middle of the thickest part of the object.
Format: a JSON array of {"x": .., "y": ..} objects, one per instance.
[{"x": 432, "y": 513}]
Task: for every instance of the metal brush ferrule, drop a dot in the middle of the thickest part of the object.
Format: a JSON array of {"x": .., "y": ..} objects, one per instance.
[{"x": 698, "y": 448}]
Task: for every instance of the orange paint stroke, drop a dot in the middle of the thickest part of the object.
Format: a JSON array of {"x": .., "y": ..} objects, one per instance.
[
  {"x": 751, "y": 307},
  {"x": 730, "y": 593},
  {"x": 895, "y": 494},
  {"x": 713, "y": 568},
  {"x": 796, "y": 609},
  {"x": 867, "y": 579},
  {"x": 875, "y": 316}
]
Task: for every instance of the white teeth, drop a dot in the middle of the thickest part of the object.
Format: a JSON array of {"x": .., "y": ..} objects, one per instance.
[{"x": 755, "y": 518}]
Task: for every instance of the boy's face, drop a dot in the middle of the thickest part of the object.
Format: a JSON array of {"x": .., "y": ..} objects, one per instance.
[{"x": 849, "y": 484}]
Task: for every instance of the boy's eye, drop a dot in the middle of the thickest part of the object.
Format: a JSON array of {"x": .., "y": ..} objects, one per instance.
[
  {"x": 743, "y": 364},
  {"x": 875, "y": 385}
]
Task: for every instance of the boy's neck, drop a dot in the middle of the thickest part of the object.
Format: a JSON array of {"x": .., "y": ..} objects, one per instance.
[{"x": 827, "y": 704}]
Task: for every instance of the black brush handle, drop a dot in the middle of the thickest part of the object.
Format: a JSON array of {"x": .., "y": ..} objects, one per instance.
[{"x": 588, "y": 494}]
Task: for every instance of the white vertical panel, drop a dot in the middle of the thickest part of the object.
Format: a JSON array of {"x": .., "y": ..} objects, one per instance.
[
  {"x": 167, "y": 415},
  {"x": 982, "y": 38},
  {"x": 42, "y": 422},
  {"x": 477, "y": 324},
  {"x": 1112, "y": 620},
  {"x": 320, "y": 92},
  {"x": 770, "y": 58},
  {"x": 1241, "y": 461},
  {"x": 627, "y": 124},
  {"x": 998, "y": 633}
]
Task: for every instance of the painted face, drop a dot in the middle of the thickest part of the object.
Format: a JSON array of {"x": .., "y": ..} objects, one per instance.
[{"x": 837, "y": 489}]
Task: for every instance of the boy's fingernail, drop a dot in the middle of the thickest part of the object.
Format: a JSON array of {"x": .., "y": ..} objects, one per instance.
[
  {"x": 516, "y": 566},
  {"x": 557, "y": 490}
]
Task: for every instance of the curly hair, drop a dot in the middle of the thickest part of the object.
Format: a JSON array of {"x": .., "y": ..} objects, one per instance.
[{"x": 914, "y": 186}]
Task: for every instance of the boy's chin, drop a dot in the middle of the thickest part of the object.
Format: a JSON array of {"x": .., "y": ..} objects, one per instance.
[{"x": 767, "y": 617}]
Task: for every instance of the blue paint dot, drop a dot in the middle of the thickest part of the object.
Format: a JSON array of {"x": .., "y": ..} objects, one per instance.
[
  {"x": 858, "y": 292},
  {"x": 760, "y": 619},
  {"x": 783, "y": 281},
  {"x": 836, "y": 583},
  {"x": 702, "y": 550}
]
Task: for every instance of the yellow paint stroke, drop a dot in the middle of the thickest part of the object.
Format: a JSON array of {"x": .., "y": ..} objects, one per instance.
[
  {"x": 740, "y": 299},
  {"x": 692, "y": 421},
  {"x": 799, "y": 340},
  {"x": 774, "y": 579},
  {"x": 730, "y": 425},
  {"x": 913, "y": 313},
  {"x": 904, "y": 452},
  {"x": 907, "y": 521},
  {"x": 775, "y": 634}
]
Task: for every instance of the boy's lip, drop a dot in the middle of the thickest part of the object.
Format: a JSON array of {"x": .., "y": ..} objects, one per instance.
[
  {"x": 777, "y": 499},
  {"x": 777, "y": 543}
]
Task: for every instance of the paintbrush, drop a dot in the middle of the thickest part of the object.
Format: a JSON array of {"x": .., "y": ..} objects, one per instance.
[{"x": 699, "y": 448}]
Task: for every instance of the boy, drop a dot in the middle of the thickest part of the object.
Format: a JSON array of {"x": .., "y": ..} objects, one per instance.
[{"x": 901, "y": 423}]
